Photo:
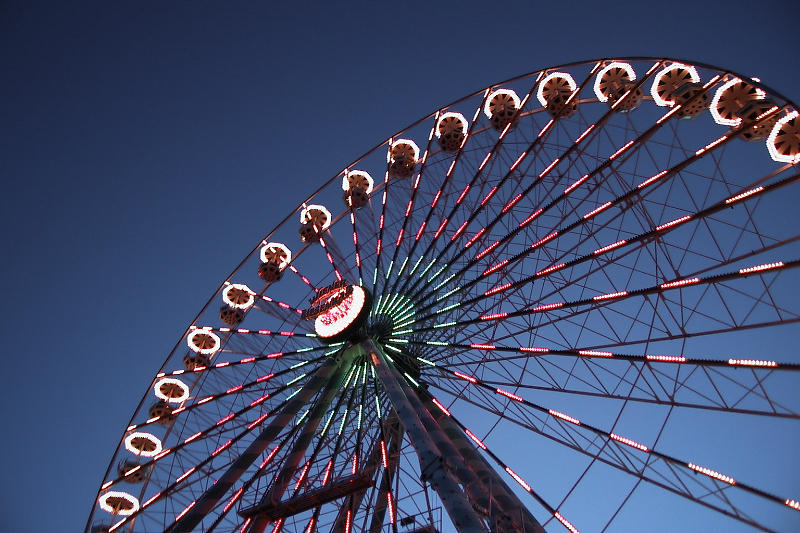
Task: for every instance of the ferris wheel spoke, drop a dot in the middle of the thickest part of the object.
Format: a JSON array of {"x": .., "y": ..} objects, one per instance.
[
  {"x": 271, "y": 508},
  {"x": 379, "y": 243},
  {"x": 357, "y": 248},
  {"x": 410, "y": 206},
  {"x": 603, "y": 300},
  {"x": 593, "y": 258},
  {"x": 604, "y": 164},
  {"x": 479, "y": 172},
  {"x": 509, "y": 502},
  {"x": 211, "y": 497},
  {"x": 534, "y": 147},
  {"x": 446, "y": 181},
  {"x": 661, "y": 379},
  {"x": 198, "y": 465},
  {"x": 676, "y": 475},
  {"x": 167, "y": 417},
  {"x": 564, "y": 157},
  {"x": 642, "y": 239}
]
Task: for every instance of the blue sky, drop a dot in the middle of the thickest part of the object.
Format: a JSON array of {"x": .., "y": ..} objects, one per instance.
[{"x": 145, "y": 149}]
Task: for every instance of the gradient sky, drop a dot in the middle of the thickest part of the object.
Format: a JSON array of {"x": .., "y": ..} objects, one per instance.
[{"x": 145, "y": 150}]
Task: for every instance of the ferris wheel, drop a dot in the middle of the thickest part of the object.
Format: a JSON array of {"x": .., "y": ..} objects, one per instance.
[{"x": 568, "y": 301}]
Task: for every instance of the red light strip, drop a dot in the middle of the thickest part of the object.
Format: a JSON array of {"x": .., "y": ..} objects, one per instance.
[
  {"x": 761, "y": 268},
  {"x": 584, "y": 134},
  {"x": 258, "y": 420},
  {"x": 530, "y": 218},
  {"x": 544, "y": 240},
  {"x": 666, "y": 358},
  {"x": 609, "y": 247},
  {"x": 497, "y": 289},
  {"x": 619, "y": 152},
  {"x": 483, "y": 346},
  {"x": 186, "y": 474},
  {"x": 546, "y": 127},
  {"x": 188, "y": 508},
  {"x": 595, "y": 353},
  {"x": 302, "y": 476},
  {"x": 593, "y": 212},
  {"x": 466, "y": 377},
  {"x": 225, "y": 419},
  {"x": 193, "y": 437},
  {"x": 327, "y": 475},
  {"x": 752, "y": 362},
  {"x": 566, "y": 522},
  {"x": 462, "y": 195},
  {"x": 438, "y": 194},
  {"x": 648, "y": 181},
  {"x": 562, "y": 416},
  {"x": 551, "y": 269},
  {"x": 509, "y": 395},
  {"x": 421, "y": 229},
  {"x": 680, "y": 283},
  {"x": 629, "y": 442},
  {"x": 389, "y": 504},
  {"x": 518, "y": 161},
  {"x": 549, "y": 167},
  {"x": 674, "y": 223},
  {"x": 547, "y": 307},
  {"x": 494, "y": 316},
  {"x": 477, "y": 441},
  {"x": 487, "y": 250},
  {"x": 742, "y": 196},
  {"x": 533, "y": 349},
  {"x": 459, "y": 230},
  {"x": 489, "y": 195},
  {"x": 441, "y": 227},
  {"x": 483, "y": 163},
  {"x": 611, "y": 295},
  {"x": 474, "y": 238},
  {"x": 271, "y": 455},
  {"x": 519, "y": 480},
  {"x": 576, "y": 184},
  {"x": 232, "y": 501},
  {"x": 710, "y": 145},
  {"x": 221, "y": 448},
  {"x": 498, "y": 266},
  {"x": 712, "y": 473},
  {"x": 442, "y": 407},
  {"x": 511, "y": 204}
]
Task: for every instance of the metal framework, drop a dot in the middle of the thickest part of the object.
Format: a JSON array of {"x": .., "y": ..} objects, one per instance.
[{"x": 565, "y": 302}]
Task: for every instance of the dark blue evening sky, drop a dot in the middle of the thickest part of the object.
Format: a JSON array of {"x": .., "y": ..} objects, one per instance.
[{"x": 145, "y": 147}]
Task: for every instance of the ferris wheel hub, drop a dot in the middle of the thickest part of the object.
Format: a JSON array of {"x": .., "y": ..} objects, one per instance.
[{"x": 339, "y": 311}]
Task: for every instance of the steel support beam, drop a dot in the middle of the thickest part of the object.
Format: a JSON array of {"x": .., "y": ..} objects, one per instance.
[
  {"x": 370, "y": 467},
  {"x": 515, "y": 516},
  {"x": 211, "y": 497},
  {"x": 292, "y": 460},
  {"x": 431, "y": 456},
  {"x": 393, "y": 444}
]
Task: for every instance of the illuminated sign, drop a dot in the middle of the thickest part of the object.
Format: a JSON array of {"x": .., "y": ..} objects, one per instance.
[{"x": 336, "y": 308}]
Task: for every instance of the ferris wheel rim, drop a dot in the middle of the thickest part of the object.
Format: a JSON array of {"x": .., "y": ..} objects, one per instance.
[{"x": 353, "y": 165}]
